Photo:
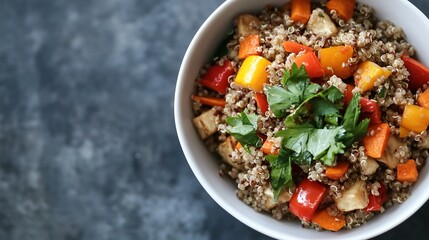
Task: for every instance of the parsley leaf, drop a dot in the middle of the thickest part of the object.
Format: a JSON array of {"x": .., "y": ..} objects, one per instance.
[
  {"x": 324, "y": 105},
  {"x": 281, "y": 171},
  {"x": 243, "y": 128},
  {"x": 323, "y": 144},
  {"x": 296, "y": 89},
  {"x": 355, "y": 131}
]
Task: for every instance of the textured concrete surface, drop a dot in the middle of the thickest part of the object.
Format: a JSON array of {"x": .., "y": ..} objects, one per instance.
[{"x": 88, "y": 149}]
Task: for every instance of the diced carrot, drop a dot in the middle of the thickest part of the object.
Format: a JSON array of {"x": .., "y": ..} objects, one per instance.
[
  {"x": 348, "y": 94},
  {"x": 294, "y": 47},
  {"x": 328, "y": 222},
  {"x": 262, "y": 102},
  {"x": 376, "y": 144},
  {"x": 407, "y": 172},
  {"x": 415, "y": 118},
  {"x": 311, "y": 63},
  {"x": 249, "y": 46},
  {"x": 301, "y": 10},
  {"x": 267, "y": 146},
  {"x": 336, "y": 172},
  {"x": 238, "y": 146},
  {"x": 423, "y": 99},
  {"x": 343, "y": 8},
  {"x": 403, "y": 132},
  {"x": 334, "y": 60},
  {"x": 209, "y": 101}
]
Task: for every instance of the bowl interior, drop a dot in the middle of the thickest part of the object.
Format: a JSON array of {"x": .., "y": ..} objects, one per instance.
[{"x": 205, "y": 165}]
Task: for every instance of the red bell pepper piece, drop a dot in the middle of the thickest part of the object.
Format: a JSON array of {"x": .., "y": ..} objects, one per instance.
[
  {"x": 312, "y": 65},
  {"x": 348, "y": 94},
  {"x": 261, "y": 101},
  {"x": 306, "y": 199},
  {"x": 419, "y": 74},
  {"x": 370, "y": 109},
  {"x": 375, "y": 202},
  {"x": 217, "y": 76}
]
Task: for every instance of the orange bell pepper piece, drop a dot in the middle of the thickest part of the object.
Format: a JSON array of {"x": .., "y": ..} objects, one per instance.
[{"x": 415, "y": 118}]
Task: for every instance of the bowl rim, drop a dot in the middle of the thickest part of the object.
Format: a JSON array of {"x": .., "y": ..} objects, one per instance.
[{"x": 180, "y": 120}]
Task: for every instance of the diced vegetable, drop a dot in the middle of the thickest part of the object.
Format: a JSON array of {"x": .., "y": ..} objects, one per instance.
[
  {"x": 407, "y": 172},
  {"x": 294, "y": 47},
  {"x": 300, "y": 11},
  {"x": 249, "y": 46},
  {"x": 209, "y": 101},
  {"x": 321, "y": 24},
  {"x": 269, "y": 148},
  {"x": 423, "y": 99},
  {"x": 238, "y": 146},
  {"x": 206, "y": 123},
  {"x": 328, "y": 222},
  {"x": 217, "y": 76},
  {"x": 403, "y": 132},
  {"x": 368, "y": 74},
  {"x": 306, "y": 199},
  {"x": 343, "y": 8},
  {"x": 348, "y": 94},
  {"x": 261, "y": 101},
  {"x": 371, "y": 167},
  {"x": 376, "y": 202},
  {"x": 270, "y": 203},
  {"x": 377, "y": 143},
  {"x": 419, "y": 74},
  {"x": 337, "y": 171},
  {"x": 370, "y": 109},
  {"x": 388, "y": 156},
  {"x": 248, "y": 24},
  {"x": 311, "y": 63},
  {"x": 353, "y": 198},
  {"x": 334, "y": 60},
  {"x": 225, "y": 148},
  {"x": 415, "y": 118},
  {"x": 252, "y": 73}
]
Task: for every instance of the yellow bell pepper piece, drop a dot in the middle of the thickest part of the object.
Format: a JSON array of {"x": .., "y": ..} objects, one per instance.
[
  {"x": 252, "y": 73},
  {"x": 415, "y": 118},
  {"x": 423, "y": 99},
  {"x": 334, "y": 60},
  {"x": 403, "y": 132},
  {"x": 368, "y": 73}
]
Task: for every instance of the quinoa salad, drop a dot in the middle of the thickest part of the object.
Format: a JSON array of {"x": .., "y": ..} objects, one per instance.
[{"x": 317, "y": 111}]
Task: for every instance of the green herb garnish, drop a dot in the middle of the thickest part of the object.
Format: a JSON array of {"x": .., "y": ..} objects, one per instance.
[
  {"x": 243, "y": 128},
  {"x": 296, "y": 89},
  {"x": 315, "y": 127}
]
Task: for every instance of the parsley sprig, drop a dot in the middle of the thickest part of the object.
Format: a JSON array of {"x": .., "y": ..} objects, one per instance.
[{"x": 315, "y": 128}]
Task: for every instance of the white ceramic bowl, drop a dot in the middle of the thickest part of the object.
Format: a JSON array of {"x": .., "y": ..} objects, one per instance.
[{"x": 205, "y": 167}]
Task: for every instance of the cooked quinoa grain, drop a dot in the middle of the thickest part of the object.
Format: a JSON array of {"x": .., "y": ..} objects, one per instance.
[{"x": 370, "y": 183}]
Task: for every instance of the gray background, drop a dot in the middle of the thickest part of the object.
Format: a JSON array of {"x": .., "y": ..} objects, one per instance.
[{"x": 88, "y": 148}]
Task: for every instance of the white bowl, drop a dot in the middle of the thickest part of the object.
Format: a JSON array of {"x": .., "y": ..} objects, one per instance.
[{"x": 204, "y": 165}]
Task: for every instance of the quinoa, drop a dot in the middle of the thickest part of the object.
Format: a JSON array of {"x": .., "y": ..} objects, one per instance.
[{"x": 378, "y": 41}]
